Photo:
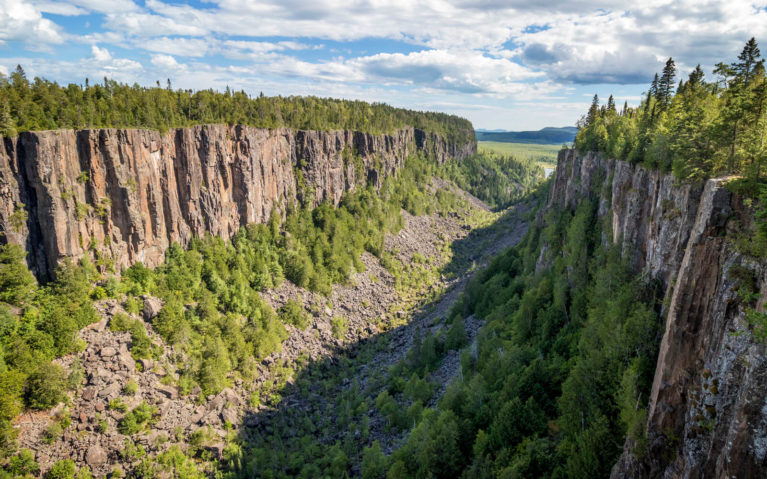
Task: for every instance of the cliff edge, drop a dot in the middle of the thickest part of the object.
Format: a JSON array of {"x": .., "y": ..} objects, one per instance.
[
  {"x": 124, "y": 195},
  {"x": 707, "y": 414}
]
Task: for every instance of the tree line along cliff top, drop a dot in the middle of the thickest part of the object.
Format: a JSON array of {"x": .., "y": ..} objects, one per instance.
[
  {"x": 44, "y": 105},
  {"x": 696, "y": 128}
]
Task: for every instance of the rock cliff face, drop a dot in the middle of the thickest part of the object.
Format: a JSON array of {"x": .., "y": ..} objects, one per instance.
[
  {"x": 708, "y": 406},
  {"x": 126, "y": 195}
]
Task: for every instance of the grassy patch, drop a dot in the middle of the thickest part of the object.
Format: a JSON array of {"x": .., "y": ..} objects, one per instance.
[{"x": 544, "y": 155}]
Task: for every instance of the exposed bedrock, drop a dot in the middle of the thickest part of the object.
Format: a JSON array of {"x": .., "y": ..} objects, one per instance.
[
  {"x": 125, "y": 195},
  {"x": 707, "y": 412}
]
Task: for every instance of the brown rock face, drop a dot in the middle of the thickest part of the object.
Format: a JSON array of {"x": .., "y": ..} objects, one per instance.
[
  {"x": 708, "y": 407},
  {"x": 125, "y": 195}
]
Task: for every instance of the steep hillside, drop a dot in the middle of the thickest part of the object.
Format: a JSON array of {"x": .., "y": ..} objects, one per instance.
[{"x": 705, "y": 413}]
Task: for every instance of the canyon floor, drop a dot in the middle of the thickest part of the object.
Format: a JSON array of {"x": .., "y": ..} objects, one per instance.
[{"x": 308, "y": 379}]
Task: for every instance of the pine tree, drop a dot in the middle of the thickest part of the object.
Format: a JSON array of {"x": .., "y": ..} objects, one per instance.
[
  {"x": 6, "y": 121},
  {"x": 666, "y": 84},
  {"x": 654, "y": 86},
  {"x": 611, "y": 104},
  {"x": 593, "y": 111},
  {"x": 748, "y": 62},
  {"x": 696, "y": 78}
]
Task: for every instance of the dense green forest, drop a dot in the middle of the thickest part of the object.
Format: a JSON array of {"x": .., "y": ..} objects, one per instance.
[
  {"x": 44, "y": 105},
  {"x": 696, "y": 128},
  {"x": 561, "y": 372},
  {"x": 560, "y": 375},
  {"x": 496, "y": 179},
  {"x": 544, "y": 136}
]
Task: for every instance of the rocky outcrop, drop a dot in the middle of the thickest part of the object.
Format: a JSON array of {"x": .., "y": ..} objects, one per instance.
[
  {"x": 125, "y": 195},
  {"x": 707, "y": 412}
]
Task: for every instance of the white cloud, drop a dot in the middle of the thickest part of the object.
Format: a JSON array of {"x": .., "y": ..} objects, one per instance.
[
  {"x": 100, "y": 54},
  {"x": 629, "y": 46},
  {"x": 59, "y": 8},
  {"x": 108, "y": 6},
  {"x": 164, "y": 61},
  {"x": 20, "y": 21},
  {"x": 464, "y": 71},
  {"x": 510, "y": 50},
  {"x": 187, "y": 47},
  {"x": 149, "y": 25}
]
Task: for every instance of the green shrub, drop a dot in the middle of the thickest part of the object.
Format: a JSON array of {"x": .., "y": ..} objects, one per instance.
[
  {"x": 117, "y": 404},
  {"x": 17, "y": 284},
  {"x": 130, "y": 388},
  {"x": 23, "y": 464},
  {"x": 339, "y": 326},
  {"x": 63, "y": 469},
  {"x": 141, "y": 345},
  {"x": 138, "y": 419},
  {"x": 120, "y": 322},
  {"x": 292, "y": 312},
  {"x": 374, "y": 462},
  {"x": 456, "y": 335},
  {"x": 45, "y": 386},
  {"x": 133, "y": 305}
]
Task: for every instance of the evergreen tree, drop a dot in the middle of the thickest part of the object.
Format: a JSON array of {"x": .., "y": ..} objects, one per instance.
[
  {"x": 748, "y": 62},
  {"x": 666, "y": 84},
  {"x": 593, "y": 111}
]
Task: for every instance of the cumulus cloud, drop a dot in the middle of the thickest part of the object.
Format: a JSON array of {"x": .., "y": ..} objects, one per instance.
[
  {"x": 59, "y": 8},
  {"x": 464, "y": 71},
  {"x": 20, "y": 21},
  {"x": 504, "y": 49},
  {"x": 580, "y": 42},
  {"x": 100, "y": 54},
  {"x": 165, "y": 62},
  {"x": 188, "y": 47}
]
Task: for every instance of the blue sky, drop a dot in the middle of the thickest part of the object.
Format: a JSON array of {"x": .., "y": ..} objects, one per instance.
[{"x": 508, "y": 64}]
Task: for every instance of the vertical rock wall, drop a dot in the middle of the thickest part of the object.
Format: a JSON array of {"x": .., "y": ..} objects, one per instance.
[
  {"x": 125, "y": 195},
  {"x": 708, "y": 406}
]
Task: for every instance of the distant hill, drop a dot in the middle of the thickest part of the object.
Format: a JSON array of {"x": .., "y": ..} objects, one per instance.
[{"x": 545, "y": 136}]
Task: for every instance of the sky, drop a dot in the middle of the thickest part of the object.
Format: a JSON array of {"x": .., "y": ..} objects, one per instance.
[{"x": 503, "y": 64}]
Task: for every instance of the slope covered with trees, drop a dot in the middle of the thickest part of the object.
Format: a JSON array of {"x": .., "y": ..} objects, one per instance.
[
  {"x": 44, "y": 105},
  {"x": 551, "y": 388},
  {"x": 496, "y": 179},
  {"x": 213, "y": 315}
]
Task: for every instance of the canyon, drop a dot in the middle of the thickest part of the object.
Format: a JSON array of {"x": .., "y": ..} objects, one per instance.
[{"x": 124, "y": 195}]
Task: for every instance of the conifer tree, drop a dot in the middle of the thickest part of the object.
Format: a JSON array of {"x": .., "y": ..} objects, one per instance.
[
  {"x": 748, "y": 62},
  {"x": 593, "y": 111},
  {"x": 666, "y": 84}
]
